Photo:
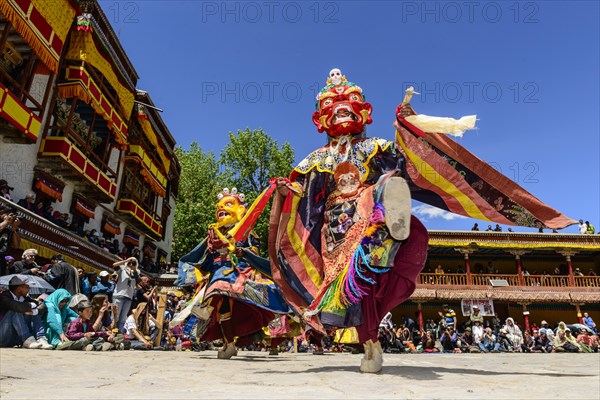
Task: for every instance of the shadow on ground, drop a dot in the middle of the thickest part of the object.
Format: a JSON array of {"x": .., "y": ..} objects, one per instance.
[{"x": 431, "y": 373}]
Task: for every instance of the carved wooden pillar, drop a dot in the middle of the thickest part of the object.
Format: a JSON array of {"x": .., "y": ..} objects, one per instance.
[
  {"x": 567, "y": 254},
  {"x": 518, "y": 253},
  {"x": 466, "y": 253},
  {"x": 420, "y": 316}
]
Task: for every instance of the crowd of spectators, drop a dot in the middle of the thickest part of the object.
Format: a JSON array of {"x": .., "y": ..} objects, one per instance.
[
  {"x": 76, "y": 224},
  {"x": 585, "y": 228},
  {"x": 86, "y": 311},
  {"x": 479, "y": 335},
  {"x": 119, "y": 311}
]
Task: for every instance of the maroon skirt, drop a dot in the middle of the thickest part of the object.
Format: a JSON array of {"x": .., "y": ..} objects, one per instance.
[{"x": 395, "y": 286}]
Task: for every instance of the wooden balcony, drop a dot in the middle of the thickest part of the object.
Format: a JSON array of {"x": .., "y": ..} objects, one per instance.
[
  {"x": 554, "y": 281},
  {"x": 60, "y": 154},
  {"x": 139, "y": 217},
  {"x": 529, "y": 289}
]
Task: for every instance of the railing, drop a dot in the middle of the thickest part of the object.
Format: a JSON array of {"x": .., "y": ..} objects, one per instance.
[
  {"x": 484, "y": 279},
  {"x": 587, "y": 281},
  {"x": 546, "y": 280},
  {"x": 45, "y": 233},
  {"x": 443, "y": 279},
  {"x": 512, "y": 279}
]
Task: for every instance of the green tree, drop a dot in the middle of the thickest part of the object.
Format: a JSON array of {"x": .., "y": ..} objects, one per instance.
[
  {"x": 250, "y": 160},
  {"x": 199, "y": 185}
]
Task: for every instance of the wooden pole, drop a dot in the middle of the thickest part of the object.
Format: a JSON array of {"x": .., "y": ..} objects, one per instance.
[
  {"x": 160, "y": 317},
  {"x": 526, "y": 316},
  {"x": 420, "y": 310}
]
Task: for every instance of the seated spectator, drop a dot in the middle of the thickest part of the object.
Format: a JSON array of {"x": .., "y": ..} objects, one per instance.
[
  {"x": 561, "y": 327},
  {"x": 431, "y": 326},
  {"x": 63, "y": 275},
  {"x": 497, "y": 228},
  {"x": 94, "y": 237},
  {"x": 488, "y": 342},
  {"x": 475, "y": 227},
  {"x": 82, "y": 333},
  {"x": 48, "y": 213},
  {"x": 171, "y": 303},
  {"x": 467, "y": 342},
  {"x": 114, "y": 249},
  {"x": 513, "y": 332},
  {"x": 542, "y": 342},
  {"x": 489, "y": 228},
  {"x": 5, "y": 190},
  {"x": 27, "y": 265},
  {"x": 104, "y": 286},
  {"x": 143, "y": 294},
  {"x": 589, "y": 322},
  {"x": 28, "y": 202},
  {"x": 388, "y": 340},
  {"x": 449, "y": 340},
  {"x": 572, "y": 339},
  {"x": 429, "y": 343},
  {"x": 406, "y": 339},
  {"x": 39, "y": 209},
  {"x": 548, "y": 330},
  {"x": 478, "y": 332},
  {"x": 133, "y": 329},
  {"x": 506, "y": 345},
  {"x": 20, "y": 320},
  {"x": 584, "y": 342},
  {"x": 88, "y": 283},
  {"x": 103, "y": 313},
  {"x": 9, "y": 266},
  {"x": 594, "y": 342},
  {"x": 562, "y": 344},
  {"x": 59, "y": 315},
  {"x": 528, "y": 343}
]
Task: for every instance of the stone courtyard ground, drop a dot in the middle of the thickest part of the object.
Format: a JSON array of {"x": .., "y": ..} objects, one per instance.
[{"x": 36, "y": 374}]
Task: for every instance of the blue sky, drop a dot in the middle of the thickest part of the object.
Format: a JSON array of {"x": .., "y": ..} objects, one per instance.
[{"x": 529, "y": 70}]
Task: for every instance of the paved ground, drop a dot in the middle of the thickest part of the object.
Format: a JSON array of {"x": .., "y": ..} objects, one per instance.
[{"x": 36, "y": 374}]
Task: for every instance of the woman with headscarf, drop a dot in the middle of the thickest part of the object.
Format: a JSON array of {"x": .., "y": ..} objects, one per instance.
[
  {"x": 513, "y": 333},
  {"x": 138, "y": 325},
  {"x": 59, "y": 315}
]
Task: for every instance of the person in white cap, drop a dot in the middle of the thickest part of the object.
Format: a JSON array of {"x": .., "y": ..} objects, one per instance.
[
  {"x": 476, "y": 315},
  {"x": 20, "y": 322},
  {"x": 104, "y": 286}
]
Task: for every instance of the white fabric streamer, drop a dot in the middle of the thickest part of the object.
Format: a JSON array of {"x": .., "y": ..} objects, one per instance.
[{"x": 450, "y": 126}]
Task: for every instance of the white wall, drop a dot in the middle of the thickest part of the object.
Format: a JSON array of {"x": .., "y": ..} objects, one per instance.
[{"x": 16, "y": 166}]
